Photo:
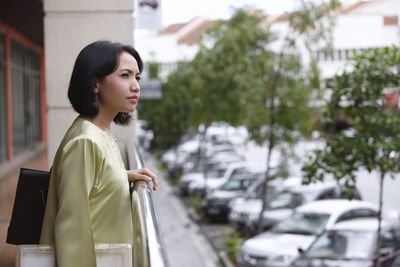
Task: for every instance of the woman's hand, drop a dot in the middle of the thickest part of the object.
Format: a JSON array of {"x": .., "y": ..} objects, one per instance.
[{"x": 143, "y": 175}]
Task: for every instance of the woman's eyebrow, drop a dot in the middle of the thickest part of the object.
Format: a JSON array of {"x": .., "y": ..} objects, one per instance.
[{"x": 128, "y": 70}]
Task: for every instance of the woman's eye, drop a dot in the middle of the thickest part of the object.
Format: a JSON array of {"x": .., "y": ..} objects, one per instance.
[
  {"x": 125, "y": 75},
  {"x": 138, "y": 78}
]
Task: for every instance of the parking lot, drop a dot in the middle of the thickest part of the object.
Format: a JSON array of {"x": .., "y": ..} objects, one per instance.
[{"x": 231, "y": 191}]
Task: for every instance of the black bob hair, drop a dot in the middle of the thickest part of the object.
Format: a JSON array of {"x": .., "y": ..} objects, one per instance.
[{"x": 95, "y": 62}]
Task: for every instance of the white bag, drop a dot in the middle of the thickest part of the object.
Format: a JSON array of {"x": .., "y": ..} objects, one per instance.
[{"x": 107, "y": 255}]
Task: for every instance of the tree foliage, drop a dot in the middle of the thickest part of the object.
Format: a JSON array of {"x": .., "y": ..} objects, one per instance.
[
  {"x": 223, "y": 59},
  {"x": 168, "y": 116},
  {"x": 237, "y": 77},
  {"x": 372, "y": 142},
  {"x": 358, "y": 98},
  {"x": 280, "y": 85}
]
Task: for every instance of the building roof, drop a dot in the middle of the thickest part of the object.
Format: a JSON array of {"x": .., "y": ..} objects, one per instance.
[
  {"x": 193, "y": 35},
  {"x": 173, "y": 28},
  {"x": 188, "y": 33}
]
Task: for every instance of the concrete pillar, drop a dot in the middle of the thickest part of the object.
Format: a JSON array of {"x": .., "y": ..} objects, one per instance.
[{"x": 69, "y": 25}]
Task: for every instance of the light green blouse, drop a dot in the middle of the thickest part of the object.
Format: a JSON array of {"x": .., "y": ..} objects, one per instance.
[{"x": 88, "y": 200}]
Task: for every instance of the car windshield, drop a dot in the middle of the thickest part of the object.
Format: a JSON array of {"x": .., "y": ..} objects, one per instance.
[
  {"x": 237, "y": 184},
  {"x": 302, "y": 223},
  {"x": 216, "y": 173},
  {"x": 343, "y": 245},
  {"x": 285, "y": 200}
]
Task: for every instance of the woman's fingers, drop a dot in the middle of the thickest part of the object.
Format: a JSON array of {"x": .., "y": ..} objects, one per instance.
[
  {"x": 152, "y": 175},
  {"x": 144, "y": 175}
]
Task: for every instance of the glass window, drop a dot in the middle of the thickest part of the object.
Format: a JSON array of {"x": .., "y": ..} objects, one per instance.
[
  {"x": 238, "y": 184},
  {"x": 328, "y": 194},
  {"x": 343, "y": 245},
  {"x": 3, "y": 101},
  {"x": 25, "y": 72},
  {"x": 285, "y": 200},
  {"x": 216, "y": 173},
  {"x": 358, "y": 213},
  {"x": 302, "y": 223}
]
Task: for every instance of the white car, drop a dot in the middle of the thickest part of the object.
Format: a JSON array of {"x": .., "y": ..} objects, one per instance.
[
  {"x": 284, "y": 203},
  {"x": 213, "y": 181},
  {"x": 352, "y": 243},
  {"x": 280, "y": 245},
  {"x": 215, "y": 169},
  {"x": 242, "y": 208}
]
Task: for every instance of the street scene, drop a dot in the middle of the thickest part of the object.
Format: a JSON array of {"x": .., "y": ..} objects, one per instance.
[
  {"x": 279, "y": 148},
  {"x": 233, "y": 208},
  {"x": 205, "y": 133}
]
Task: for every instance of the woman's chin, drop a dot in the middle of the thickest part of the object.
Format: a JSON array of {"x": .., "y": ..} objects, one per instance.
[{"x": 129, "y": 110}]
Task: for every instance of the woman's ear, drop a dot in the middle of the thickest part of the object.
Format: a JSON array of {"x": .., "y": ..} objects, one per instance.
[{"x": 96, "y": 88}]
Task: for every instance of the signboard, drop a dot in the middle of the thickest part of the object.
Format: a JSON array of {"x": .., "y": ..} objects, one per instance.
[
  {"x": 150, "y": 89},
  {"x": 148, "y": 15}
]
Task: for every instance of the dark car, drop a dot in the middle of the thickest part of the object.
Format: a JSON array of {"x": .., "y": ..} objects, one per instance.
[
  {"x": 216, "y": 204},
  {"x": 353, "y": 244}
]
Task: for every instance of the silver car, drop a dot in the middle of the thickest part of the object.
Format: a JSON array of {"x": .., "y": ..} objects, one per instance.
[
  {"x": 279, "y": 247},
  {"x": 352, "y": 243}
]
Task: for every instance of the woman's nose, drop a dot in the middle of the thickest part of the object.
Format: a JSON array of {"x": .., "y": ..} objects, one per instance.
[{"x": 135, "y": 86}]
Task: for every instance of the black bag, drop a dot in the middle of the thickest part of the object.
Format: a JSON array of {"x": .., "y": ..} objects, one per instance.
[{"x": 29, "y": 206}]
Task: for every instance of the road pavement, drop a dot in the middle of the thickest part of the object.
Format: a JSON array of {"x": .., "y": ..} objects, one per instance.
[{"x": 183, "y": 240}]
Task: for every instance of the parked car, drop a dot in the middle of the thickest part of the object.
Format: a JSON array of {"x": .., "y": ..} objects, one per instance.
[
  {"x": 284, "y": 203},
  {"x": 216, "y": 169},
  {"x": 250, "y": 203},
  {"x": 216, "y": 204},
  {"x": 352, "y": 243},
  {"x": 213, "y": 181},
  {"x": 175, "y": 158},
  {"x": 216, "y": 154},
  {"x": 280, "y": 245}
]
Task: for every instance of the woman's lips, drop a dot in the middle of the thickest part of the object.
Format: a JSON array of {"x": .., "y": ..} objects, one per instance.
[{"x": 133, "y": 99}]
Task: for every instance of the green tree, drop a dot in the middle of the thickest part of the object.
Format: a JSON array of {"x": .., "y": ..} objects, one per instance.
[
  {"x": 168, "y": 117},
  {"x": 359, "y": 100},
  {"x": 154, "y": 69},
  {"x": 225, "y": 52},
  {"x": 207, "y": 89},
  {"x": 279, "y": 86}
]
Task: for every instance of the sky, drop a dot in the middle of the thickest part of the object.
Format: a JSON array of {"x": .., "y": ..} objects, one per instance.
[{"x": 176, "y": 11}]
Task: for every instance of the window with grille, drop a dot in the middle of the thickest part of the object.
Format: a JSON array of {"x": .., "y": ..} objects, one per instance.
[{"x": 25, "y": 83}]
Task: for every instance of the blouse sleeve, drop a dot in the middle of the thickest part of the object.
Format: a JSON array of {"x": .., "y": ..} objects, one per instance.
[{"x": 74, "y": 242}]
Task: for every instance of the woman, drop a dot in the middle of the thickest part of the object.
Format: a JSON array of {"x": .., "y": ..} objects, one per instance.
[{"x": 89, "y": 200}]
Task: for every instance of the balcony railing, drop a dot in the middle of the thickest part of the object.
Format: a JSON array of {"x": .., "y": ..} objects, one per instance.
[{"x": 148, "y": 247}]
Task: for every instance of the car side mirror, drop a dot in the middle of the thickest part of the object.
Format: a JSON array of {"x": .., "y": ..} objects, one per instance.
[{"x": 301, "y": 251}]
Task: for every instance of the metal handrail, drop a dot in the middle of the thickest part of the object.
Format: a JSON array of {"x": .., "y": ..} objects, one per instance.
[{"x": 148, "y": 246}]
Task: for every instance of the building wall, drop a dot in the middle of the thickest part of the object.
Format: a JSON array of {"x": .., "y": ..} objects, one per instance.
[
  {"x": 70, "y": 25},
  {"x": 23, "y": 121}
]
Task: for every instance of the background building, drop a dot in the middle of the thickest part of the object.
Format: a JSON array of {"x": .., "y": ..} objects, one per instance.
[{"x": 359, "y": 25}]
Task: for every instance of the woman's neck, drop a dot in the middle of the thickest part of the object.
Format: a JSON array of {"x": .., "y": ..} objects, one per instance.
[{"x": 102, "y": 121}]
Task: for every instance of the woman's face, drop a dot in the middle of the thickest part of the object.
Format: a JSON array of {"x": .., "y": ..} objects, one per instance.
[{"x": 119, "y": 91}]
